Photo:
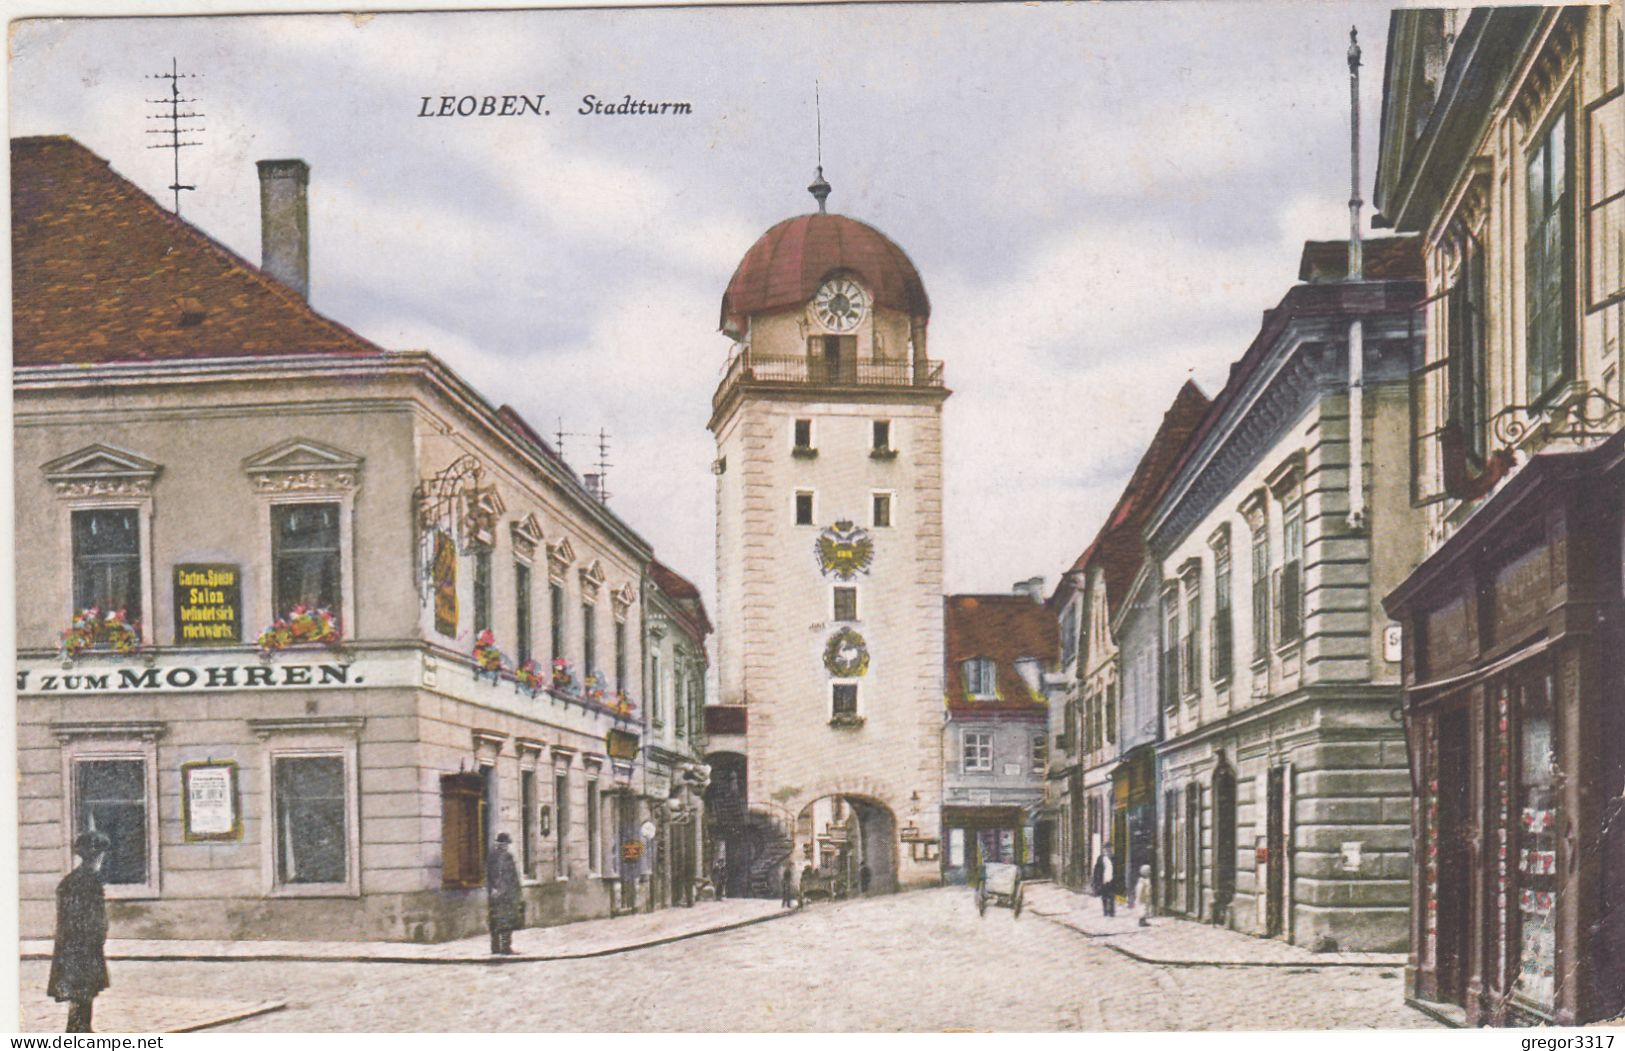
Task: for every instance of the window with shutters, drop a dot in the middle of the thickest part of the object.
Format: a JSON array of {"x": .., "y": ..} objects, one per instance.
[
  {"x": 1221, "y": 645},
  {"x": 462, "y": 822},
  {"x": 521, "y": 601},
  {"x": 980, "y": 675},
  {"x": 1190, "y": 647},
  {"x": 1465, "y": 321},
  {"x": 561, "y": 822},
  {"x": 529, "y": 809},
  {"x": 1549, "y": 271},
  {"x": 1261, "y": 594},
  {"x": 1170, "y": 647},
  {"x": 1290, "y": 593},
  {"x": 555, "y": 596},
  {"x": 482, "y": 590},
  {"x": 595, "y": 844}
]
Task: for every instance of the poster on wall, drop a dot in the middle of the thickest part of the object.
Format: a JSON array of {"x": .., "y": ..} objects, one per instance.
[
  {"x": 445, "y": 585},
  {"x": 209, "y": 801},
  {"x": 208, "y": 604}
]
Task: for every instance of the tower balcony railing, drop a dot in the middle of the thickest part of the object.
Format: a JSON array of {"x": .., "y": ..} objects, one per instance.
[{"x": 814, "y": 370}]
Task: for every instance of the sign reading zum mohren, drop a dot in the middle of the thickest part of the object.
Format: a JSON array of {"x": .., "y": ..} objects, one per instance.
[{"x": 184, "y": 677}]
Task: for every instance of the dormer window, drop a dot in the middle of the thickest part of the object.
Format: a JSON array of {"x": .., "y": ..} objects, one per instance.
[
  {"x": 1030, "y": 670},
  {"x": 980, "y": 678}
]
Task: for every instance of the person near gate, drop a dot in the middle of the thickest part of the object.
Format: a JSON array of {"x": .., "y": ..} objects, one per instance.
[
  {"x": 78, "y": 960},
  {"x": 719, "y": 875},
  {"x": 1105, "y": 882},
  {"x": 788, "y": 897},
  {"x": 503, "y": 903}
]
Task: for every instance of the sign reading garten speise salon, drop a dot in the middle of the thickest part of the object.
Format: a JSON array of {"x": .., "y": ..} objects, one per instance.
[{"x": 208, "y": 604}]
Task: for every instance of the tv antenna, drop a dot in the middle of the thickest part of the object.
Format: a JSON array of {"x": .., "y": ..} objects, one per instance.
[
  {"x": 597, "y": 483},
  {"x": 175, "y": 110}
]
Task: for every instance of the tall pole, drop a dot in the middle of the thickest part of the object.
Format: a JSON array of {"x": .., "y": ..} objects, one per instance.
[
  {"x": 1356, "y": 342},
  {"x": 1355, "y": 203}
]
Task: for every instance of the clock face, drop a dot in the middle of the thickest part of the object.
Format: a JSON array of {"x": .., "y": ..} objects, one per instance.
[{"x": 840, "y": 305}]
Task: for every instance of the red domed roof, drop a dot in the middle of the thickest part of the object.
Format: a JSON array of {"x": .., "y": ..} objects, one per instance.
[{"x": 787, "y": 264}]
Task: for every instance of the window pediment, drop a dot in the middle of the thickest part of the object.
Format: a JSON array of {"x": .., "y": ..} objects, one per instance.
[
  {"x": 527, "y": 536},
  {"x": 301, "y": 465},
  {"x": 622, "y": 599},
  {"x": 102, "y": 470},
  {"x": 592, "y": 578},
  {"x": 561, "y": 555}
]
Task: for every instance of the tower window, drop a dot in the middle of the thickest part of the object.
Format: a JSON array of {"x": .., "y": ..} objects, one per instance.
[
  {"x": 844, "y": 698},
  {"x": 803, "y": 434},
  {"x": 882, "y": 506},
  {"x": 846, "y": 603},
  {"x": 882, "y": 436},
  {"x": 804, "y": 508}
]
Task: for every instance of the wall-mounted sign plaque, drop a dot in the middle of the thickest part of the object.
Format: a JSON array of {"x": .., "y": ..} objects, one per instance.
[
  {"x": 208, "y": 604},
  {"x": 209, "y": 809}
]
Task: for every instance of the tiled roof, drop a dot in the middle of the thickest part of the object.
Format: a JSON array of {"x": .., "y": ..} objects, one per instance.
[
  {"x": 101, "y": 272},
  {"x": 1119, "y": 548},
  {"x": 682, "y": 591},
  {"x": 787, "y": 264},
  {"x": 1004, "y": 628},
  {"x": 1381, "y": 259}
]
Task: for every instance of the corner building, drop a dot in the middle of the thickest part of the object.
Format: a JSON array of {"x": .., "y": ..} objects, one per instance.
[
  {"x": 828, "y": 424},
  {"x": 197, "y": 448}
]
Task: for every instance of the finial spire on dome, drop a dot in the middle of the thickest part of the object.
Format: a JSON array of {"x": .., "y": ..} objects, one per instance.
[{"x": 819, "y": 188}]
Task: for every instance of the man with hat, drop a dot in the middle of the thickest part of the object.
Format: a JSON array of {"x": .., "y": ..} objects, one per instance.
[
  {"x": 78, "y": 964},
  {"x": 503, "y": 904}
]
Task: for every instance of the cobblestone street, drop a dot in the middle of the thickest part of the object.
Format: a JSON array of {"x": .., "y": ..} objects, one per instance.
[{"x": 914, "y": 962}]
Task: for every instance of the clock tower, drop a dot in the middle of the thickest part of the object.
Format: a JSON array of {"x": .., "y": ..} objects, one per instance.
[{"x": 828, "y": 423}]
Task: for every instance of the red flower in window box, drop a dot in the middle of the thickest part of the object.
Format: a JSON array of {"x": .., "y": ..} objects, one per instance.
[
  {"x": 91, "y": 627},
  {"x": 529, "y": 676},
  {"x": 563, "y": 679},
  {"x": 302, "y": 626},
  {"x": 487, "y": 658}
]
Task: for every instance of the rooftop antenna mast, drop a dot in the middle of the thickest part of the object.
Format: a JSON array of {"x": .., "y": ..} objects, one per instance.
[
  {"x": 175, "y": 109},
  {"x": 819, "y": 188},
  {"x": 597, "y": 484}
]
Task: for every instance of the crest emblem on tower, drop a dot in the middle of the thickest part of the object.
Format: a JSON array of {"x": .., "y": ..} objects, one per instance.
[
  {"x": 844, "y": 550},
  {"x": 846, "y": 655}
]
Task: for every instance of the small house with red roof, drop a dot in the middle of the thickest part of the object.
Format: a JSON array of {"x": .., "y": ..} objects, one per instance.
[{"x": 995, "y": 740}]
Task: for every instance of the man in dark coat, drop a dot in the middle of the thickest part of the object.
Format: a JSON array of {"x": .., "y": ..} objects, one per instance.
[
  {"x": 788, "y": 897},
  {"x": 503, "y": 903},
  {"x": 78, "y": 964},
  {"x": 1105, "y": 882}
]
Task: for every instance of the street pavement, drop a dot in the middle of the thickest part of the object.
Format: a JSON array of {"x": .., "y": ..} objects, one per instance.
[{"x": 922, "y": 961}]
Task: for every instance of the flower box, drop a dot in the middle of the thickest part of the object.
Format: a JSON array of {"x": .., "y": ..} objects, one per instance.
[
  {"x": 302, "y": 626},
  {"x": 91, "y": 628}
]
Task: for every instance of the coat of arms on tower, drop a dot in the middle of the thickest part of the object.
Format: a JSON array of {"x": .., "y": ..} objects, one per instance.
[
  {"x": 846, "y": 655},
  {"x": 845, "y": 549}
]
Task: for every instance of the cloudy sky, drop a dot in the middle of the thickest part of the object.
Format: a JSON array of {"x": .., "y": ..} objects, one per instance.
[{"x": 1101, "y": 200}]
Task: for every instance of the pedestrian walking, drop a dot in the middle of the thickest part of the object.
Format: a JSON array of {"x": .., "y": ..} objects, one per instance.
[
  {"x": 788, "y": 898},
  {"x": 864, "y": 876},
  {"x": 78, "y": 960},
  {"x": 1105, "y": 882},
  {"x": 719, "y": 875},
  {"x": 503, "y": 904},
  {"x": 1144, "y": 896}
]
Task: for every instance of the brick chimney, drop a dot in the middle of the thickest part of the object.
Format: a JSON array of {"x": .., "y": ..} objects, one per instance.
[{"x": 285, "y": 223}]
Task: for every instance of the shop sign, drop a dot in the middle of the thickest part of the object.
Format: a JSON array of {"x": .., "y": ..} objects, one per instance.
[
  {"x": 444, "y": 572},
  {"x": 208, "y": 604},
  {"x": 186, "y": 677},
  {"x": 621, "y": 744},
  {"x": 209, "y": 810},
  {"x": 631, "y": 850}
]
